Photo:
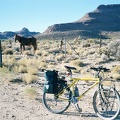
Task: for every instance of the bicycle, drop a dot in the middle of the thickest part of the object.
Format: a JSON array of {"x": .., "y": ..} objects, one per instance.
[{"x": 106, "y": 100}]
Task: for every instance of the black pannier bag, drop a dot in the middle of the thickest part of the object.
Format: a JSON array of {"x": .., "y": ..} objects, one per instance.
[
  {"x": 62, "y": 83},
  {"x": 50, "y": 85}
]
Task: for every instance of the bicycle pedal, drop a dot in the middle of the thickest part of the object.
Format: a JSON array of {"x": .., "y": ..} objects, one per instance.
[{"x": 79, "y": 110}]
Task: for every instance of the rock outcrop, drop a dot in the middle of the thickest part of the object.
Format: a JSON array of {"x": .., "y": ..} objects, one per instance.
[
  {"x": 24, "y": 32},
  {"x": 104, "y": 18}
]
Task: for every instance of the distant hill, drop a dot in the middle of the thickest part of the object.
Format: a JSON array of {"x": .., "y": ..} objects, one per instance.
[
  {"x": 24, "y": 32},
  {"x": 106, "y": 18}
]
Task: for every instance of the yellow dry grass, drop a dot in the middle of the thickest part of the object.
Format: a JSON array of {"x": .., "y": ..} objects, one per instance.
[
  {"x": 28, "y": 78},
  {"x": 31, "y": 92}
]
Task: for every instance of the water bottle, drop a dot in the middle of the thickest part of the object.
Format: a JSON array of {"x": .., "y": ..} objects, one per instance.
[{"x": 76, "y": 91}]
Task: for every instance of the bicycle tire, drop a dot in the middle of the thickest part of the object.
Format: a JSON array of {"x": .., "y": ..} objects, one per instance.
[
  {"x": 57, "y": 103},
  {"x": 107, "y": 105}
]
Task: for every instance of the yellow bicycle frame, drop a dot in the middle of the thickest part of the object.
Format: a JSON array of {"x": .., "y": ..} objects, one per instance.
[{"x": 75, "y": 80}]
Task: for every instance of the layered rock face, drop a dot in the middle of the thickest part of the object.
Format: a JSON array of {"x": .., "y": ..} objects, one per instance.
[{"x": 104, "y": 18}]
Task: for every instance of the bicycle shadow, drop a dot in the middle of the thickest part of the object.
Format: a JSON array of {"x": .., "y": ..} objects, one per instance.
[
  {"x": 85, "y": 114},
  {"x": 118, "y": 118}
]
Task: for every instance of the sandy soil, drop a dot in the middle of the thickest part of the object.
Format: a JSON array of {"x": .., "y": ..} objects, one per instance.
[{"x": 15, "y": 105}]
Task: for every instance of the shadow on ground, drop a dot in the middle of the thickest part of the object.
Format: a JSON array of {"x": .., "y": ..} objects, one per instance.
[{"x": 85, "y": 114}]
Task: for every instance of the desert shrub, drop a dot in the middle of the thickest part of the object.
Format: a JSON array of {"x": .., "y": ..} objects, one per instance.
[
  {"x": 77, "y": 40},
  {"x": 114, "y": 49},
  {"x": 104, "y": 58},
  {"x": 103, "y": 50},
  {"x": 38, "y": 52},
  {"x": 30, "y": 65},
  {"x": 45, "y": 53},
  {"x": 91, "y": 40},
  {"x": 27, "y": 62},
  {"x": 31, "y": 62},
  {"x": 116, "y": 76},
  {"x": 117, "y": 69},
  {"x": 96, "y": 41},
  {"x": 31, "y": 92},
  {"x": 77, "y": 63},
  {"x": 10, "y": 63},
  {"x": 17, "y": 49},
  {"x": 22, "y": 62},
  {"x": 42, "y": 64},
  {"x": 4, "y": 70},
  {"x": 86, "y": 45},
  {"x": 116, "y": 72},
  {"x": 28, "y": 53},
  {"x": 54, "y": 51},
  {"x": 60, "y": 57},
  {"x": 16, "y": 80},
  {"x": 22, "y": 69},
  {"x": 32, "y": 70},
  {"x": 8, "y": 52},
  {"x": 28, "y": 78},
  {"x": 86, "y": 74}
]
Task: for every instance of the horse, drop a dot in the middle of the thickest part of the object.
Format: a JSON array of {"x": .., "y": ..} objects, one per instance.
[{"x": 26, "y": 42}]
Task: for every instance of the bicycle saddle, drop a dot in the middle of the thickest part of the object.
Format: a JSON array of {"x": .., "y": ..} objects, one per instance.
[{"x": 70, "y": 68}]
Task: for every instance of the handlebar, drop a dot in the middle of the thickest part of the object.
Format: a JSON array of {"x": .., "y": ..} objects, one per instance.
[
  {"x": 100, "y": 69},
  {"x": 93, "y": 68}
]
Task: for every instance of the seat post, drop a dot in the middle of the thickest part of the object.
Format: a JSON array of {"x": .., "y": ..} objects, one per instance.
[{"x": 69, "y": 72}]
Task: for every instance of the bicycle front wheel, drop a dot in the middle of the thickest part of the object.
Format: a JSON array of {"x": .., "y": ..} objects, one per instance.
[
  {"x": 106, "y": 103},
  {"x": 57, "y": 103}
]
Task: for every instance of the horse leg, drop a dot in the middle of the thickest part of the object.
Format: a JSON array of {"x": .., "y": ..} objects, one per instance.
[
  {"x": 35, "y": 48},
  {"x": 21, "y": 48},
  {"x": 24, "y": 47}
]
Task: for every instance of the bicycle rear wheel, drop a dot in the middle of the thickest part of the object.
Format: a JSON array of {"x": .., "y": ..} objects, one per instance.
[
  {"x": 106, "y": 103},
  {"x": 57, "y": 103}
]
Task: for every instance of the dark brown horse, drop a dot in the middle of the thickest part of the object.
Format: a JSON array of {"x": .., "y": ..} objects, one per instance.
[{"x": 26, "y": 42}]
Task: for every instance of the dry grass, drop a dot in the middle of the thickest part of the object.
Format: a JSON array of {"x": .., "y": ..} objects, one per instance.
[
  {"x": 8, "y": 52},
  {"x": 60, "y": 57},
  {"x": 116, "y": 76},
  {"x": 31, "y": 92},
  {"x": 77, "y": 63},
  {"x": 22, "y": 69},
  {"x": 116, "y": 72},
  {"x": 38, "y": 52},
  {"x": 49, "y": 56},
  {"x": 27, "y": 52},
  {"x": 23, "y": 61},
  {"x": 42, "y": 65},
  {"x": 32, "y": 71},
  {"x": 45, "y": 53},
  {"x": 28, "y": 78},
  {"x": 117, "y": 69}
]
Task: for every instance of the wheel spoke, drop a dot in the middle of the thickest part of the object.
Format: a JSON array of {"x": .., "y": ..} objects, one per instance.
[
  {"x": 57, "y": 103},
  {"x": 106, "y": 104}
]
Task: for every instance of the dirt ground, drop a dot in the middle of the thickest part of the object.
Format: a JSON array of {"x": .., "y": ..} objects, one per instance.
[{"x": 15, "y": 105}]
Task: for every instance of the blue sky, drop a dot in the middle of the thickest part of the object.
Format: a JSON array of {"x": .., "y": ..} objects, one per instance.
[{"x": 37, "y": 15}]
